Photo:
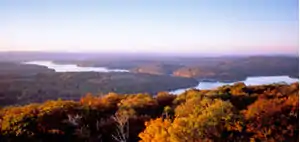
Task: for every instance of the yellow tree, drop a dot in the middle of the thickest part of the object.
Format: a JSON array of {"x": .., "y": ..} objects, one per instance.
[
  {"x": 204, "y": 120},
  {"x": 196, "y": 120},
  {"x": 156, "y": 131}
]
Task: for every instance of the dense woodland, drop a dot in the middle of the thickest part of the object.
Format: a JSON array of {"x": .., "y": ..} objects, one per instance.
[
  {"x": 39, "y": 104},
  {"x": 223, "y": 68},
  {"x": 230, "y": 113},
  {"x": 219, "y": 68},
  {"x": 15, "y": 68},
  {"x": 27, "y": 88}
]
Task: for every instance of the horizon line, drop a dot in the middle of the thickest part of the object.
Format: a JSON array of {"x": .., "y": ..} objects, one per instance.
[{"x": 151, "y": 53}]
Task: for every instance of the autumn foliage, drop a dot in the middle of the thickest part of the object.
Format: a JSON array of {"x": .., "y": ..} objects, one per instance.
[{"x": 230, "y": 113}]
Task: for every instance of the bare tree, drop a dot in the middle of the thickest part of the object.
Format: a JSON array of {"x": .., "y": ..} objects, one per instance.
[
  {"x": 83, "y": 130},
  {"x": 74, "y": 119},
  {"x": 122, "y": 130}
]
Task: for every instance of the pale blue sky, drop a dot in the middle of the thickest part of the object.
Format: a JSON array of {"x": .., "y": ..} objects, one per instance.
[{"x": 166, "y": 26}]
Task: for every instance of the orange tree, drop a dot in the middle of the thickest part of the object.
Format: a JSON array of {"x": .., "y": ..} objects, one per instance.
[{"x": 198, "y": 119}]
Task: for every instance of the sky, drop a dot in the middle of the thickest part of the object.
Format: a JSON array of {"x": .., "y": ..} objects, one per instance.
[{"x": 156, "y": 26}]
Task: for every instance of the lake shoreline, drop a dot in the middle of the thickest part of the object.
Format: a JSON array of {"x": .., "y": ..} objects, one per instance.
[
  {"x": 203, "y": 83},
  {"x": 64, "y": 67},
  {"x": 249, "y": 81}
]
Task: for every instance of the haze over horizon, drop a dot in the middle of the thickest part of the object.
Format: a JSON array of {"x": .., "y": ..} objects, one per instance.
[{"x": 195, "y": 27}]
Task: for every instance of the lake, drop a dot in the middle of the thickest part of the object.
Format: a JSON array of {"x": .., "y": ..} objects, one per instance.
[
  {"x": 72, "y": 67},
  {"x": 259, "y": 80}
]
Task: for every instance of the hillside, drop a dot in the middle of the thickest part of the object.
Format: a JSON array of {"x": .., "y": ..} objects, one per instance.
[
  {"x": 216, "y": 68},
  {"x": 30, "y": 88},
  {"x": 226, "y": 69},
  {"x": 156, "y": 68},
  {"x": 13, "y": 68},
  {"x": 229, "y": 113}
]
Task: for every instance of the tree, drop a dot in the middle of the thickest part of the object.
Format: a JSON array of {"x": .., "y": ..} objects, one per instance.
[
  {"x": 195, "y": 120},
  {"x": 122, "y": 127},
  {"x": 156, "y": 131},
  {"x": 273, "y": 119}
]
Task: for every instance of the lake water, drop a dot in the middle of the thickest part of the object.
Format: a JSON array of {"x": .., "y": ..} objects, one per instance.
[
  {"x": 72, "y": 67},
  {"x": 249, "y": 81},
  {"x": 202, "y": 85}
]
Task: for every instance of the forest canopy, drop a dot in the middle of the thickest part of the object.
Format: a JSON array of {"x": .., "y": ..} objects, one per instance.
[{"x": 229, "y": 113}]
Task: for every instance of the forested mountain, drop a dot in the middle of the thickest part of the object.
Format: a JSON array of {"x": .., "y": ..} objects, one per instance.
[
  {"x": 228, "y": 114},
  {"x": 39, "y": 104},
  {"x": 14, "y": 68},
  {"x": 218, "y": 68},
  {"x": 28, "y": 88},
  {"x": 228, "y": 69}
]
